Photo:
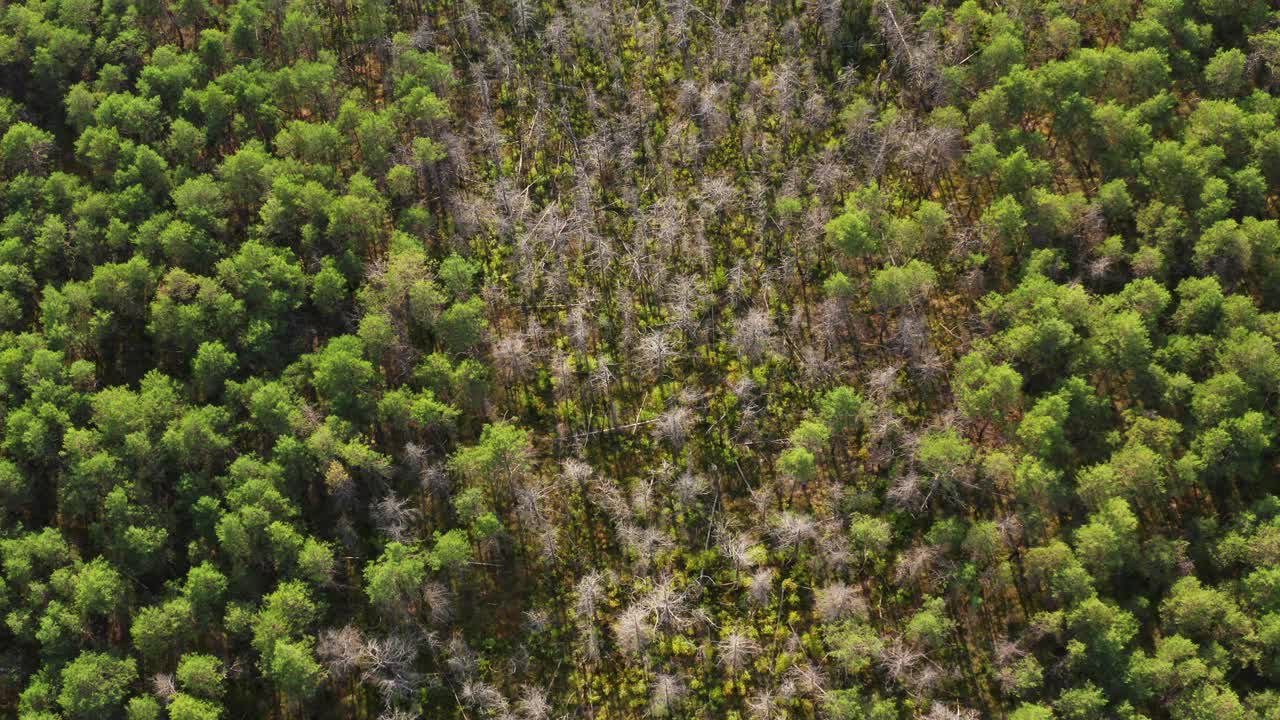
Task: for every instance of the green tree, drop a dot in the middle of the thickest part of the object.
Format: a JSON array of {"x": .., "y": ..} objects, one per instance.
[
  {"x": 212, "y": 365},
  {"x": 1030, "y": 711},
  {"x": 186, "y": 707},
  {"x": 295, "y": 671},
  {"x": 24, "y": 148},
  {"x": 1109, "y": 542},
  {"x": 1224, "y": 75},
  {"x": 160, "y": 631},
  {"x": 342, "y": 378},
  {"x": 461, "y": 326},
  {"x": 94, "y": 685},
  {"x": 457, "y": 272},
  {"x": 201, "y": 675},
  {"x": 907, "y": 284},
  {"x": 499, "y": 460},
  {"x": 143, "y": 707},
  {"x": 394, "y": 582},
  {"x": 842, "y": 409},
  {"x": 986, "y": 392},
  {"x": 799, "y": 464},
  {"x": 451, "y": 552},
  {"x": 851, "y": 233},
  {"x": 1202, "y": 613}
]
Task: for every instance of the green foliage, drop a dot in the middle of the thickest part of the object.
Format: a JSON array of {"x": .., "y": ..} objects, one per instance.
[
  {"x": 456, "y": 272},
  {"x": 201, "y": 675},
  {"x": 503, "y": 452},
  {"x": 452, "y": 550},
  {"x": 160, "y": 630},
  {"x": 461, "y": 326},
  {"x": 186, "y": 707},
  {"x": 986, "y": 392},
  {"x": 342, "y": 377},
  {"x": 842, "y": 409},
  {"x": 328, "y": 289},
  {"x": 94, "y": 685},
  {"x": 942, "y": 452},
  {"x": 143, "y": 707},
  {"x": 24, "y": 148},
  {"x": 1109, "y": 542},
  {"x": 908, "y": 284},
  {"x": 811, "y": 435},
  {"x": 851, "y": 232},
  {"x": 295, "y": 671},
  {"x": 212, "y": 365},
  {"x": 394, "y": 581},
  {"x": 798, "y": 463},
  {"x": 1032, "y": 712}
]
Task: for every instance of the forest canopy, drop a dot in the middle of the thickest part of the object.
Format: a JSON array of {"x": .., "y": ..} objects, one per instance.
[{"x": 532, "y": 359}]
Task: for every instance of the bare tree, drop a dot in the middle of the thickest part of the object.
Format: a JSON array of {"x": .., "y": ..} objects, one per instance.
[
  {"x": 736, "y": 547},
  {"x": 399, "y": 714},
  {"x": 764, "y": 704},
  {"x": 919, "y": 563},
  {"x": 395, "y": 517},
  {"x": 673, "y": 426},
  {"x": 838, "y": 601},
  {"x": 342, "y": 650},
  {"x": 736, "y": 650},
  {"x": 633, "y": 630},
  {"x": 389, "y": 665},
  {"x": 483, "y": 698},
  {"x": 654, "y": 351},
  {"x": 667, "y": 692},
  {"x": 919, "y": 57},
  {"x": 907, "y": 491},
  {"x": 791, "y": 529},
  {"x": 900, "y": 660},
  {"x": 523, "y": 15},
  {"x": 760, "y": 588},
  {"x": 940, "y": 711},
  {"x": 163, "y": 686},
  {"x": 670, "y": 605},
  {"x": 439, "y": 602},
  {"x": 645, "y": 544},
  {"x": 511, "y": 357},
  {"x": 834, "y": 551},
  {"x": 590, "y": 591},
  {"x": 533, "y": 704},
  {"x": 807, "y": 678},
  {"x": 689, "y": 487},
  {"x": 609, "y": 497},
  {"x": 436, "y": 480}
]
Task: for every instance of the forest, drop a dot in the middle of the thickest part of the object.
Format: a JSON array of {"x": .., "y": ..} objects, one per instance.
[{"x": 623, "y": 359}]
